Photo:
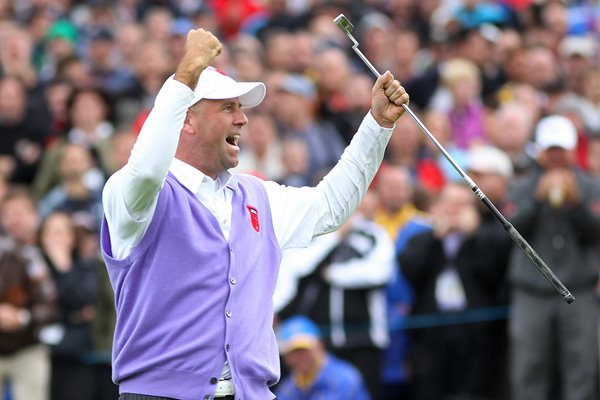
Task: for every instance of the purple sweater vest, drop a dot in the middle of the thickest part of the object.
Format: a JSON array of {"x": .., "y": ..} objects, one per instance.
[{"x": 187, "y": 299}]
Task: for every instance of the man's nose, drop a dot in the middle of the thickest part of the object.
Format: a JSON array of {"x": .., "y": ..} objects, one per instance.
[{"x": 240, "y": 118}]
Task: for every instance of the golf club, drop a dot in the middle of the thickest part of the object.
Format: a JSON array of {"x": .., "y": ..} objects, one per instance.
[{"x": 346, "y": 26}]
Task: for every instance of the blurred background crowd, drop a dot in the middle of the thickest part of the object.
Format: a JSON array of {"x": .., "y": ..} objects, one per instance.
[{"x": 423, "y": 292}]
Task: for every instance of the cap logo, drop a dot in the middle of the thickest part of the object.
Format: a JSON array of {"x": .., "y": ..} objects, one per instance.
[{"x": 219, "y": 71}]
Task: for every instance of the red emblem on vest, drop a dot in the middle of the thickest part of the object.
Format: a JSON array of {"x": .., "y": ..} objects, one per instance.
[{"x": 254, "y": 218}]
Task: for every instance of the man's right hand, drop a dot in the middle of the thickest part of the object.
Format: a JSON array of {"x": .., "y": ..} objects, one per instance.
[
  {"x": 387, "y": 98},
  {"x": 201, "y": 47}
]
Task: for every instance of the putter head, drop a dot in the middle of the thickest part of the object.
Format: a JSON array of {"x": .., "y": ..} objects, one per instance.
[{"x": 344, "y": 24}]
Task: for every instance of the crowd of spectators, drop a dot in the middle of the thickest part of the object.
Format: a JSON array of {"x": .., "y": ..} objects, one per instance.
[{"x": 78, "y": 78}]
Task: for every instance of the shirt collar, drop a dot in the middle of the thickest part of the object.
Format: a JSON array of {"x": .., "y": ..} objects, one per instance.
[{"x": 193, "y": 178}]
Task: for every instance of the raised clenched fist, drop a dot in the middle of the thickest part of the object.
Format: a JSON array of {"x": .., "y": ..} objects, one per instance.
[{"x": 201, "y": 47}]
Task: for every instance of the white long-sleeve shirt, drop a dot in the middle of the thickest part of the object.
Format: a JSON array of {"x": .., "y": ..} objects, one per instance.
[
  {"x": 131, "y": 194},
  {"x": 299, "y": 214}
]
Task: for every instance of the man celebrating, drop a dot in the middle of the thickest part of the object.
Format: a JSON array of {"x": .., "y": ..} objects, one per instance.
[{"x": 193, "y": 251}]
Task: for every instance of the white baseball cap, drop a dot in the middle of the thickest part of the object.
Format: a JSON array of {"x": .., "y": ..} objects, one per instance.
[
  {"x": 215, "y": 84},
  {"x": 584, "y": 46},
  {"x": 489, "y": 160},
  {"x": 556, "y": 131}
]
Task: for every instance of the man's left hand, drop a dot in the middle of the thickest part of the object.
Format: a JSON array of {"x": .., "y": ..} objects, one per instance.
[{"x": 387, "y": 98}]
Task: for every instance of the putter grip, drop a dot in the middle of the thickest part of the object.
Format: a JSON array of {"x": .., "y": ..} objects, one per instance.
[{"x": 541, "y": 265}]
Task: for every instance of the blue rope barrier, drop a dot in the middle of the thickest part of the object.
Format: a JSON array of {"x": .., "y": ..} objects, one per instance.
[{"x": 431, "y": 320}]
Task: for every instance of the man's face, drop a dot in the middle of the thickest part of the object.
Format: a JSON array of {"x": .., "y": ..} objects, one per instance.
[
  {"x": 214, "y": 135},
  {"x": 556, "y": 157},
  {"x": 19, "y": 218},
  {"x": 492, "y": 184},
  {"x": 12, "y": 100},
  {"x": 74, "y": 162},
  {"x": 395, "y": 189},
  {"x": 301, "y": 361},
  {"x": 454, "y": 199}
]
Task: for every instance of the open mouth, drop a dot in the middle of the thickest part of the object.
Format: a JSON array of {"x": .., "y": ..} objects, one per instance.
[{"x": 233, "y": 140}]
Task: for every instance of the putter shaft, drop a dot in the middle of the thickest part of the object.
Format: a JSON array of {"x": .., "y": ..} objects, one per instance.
[{"x": 346, "y": 26}]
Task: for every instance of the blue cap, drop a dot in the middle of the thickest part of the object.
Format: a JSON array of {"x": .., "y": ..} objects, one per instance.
[
  {"x": 300, "y": 85},
  {"x": 297, "y": 332},
  {"x": 181, "y": 26}
]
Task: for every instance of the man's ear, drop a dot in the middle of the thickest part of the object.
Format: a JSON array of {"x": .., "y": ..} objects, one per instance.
[{"x": 187, "y": 124}]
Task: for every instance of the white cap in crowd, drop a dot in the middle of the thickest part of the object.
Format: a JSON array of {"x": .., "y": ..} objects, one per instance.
[
  {"x": 489, "y": 160},
  {"x": 556, "y": 131},
  {"x": 217, "y": 85},
  {"x": 578, "y": 45}
]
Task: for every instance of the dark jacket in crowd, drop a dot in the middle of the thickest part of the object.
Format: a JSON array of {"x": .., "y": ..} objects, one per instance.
[
  {"x": 27, "y": 285},
  {"x": 479, "y": 264},
  {"x": 77, "y": 291},
  {"x": 565, "y": 238}
]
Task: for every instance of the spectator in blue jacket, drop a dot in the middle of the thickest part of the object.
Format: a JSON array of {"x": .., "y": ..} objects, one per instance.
[{"x": 314, "y": 374}]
